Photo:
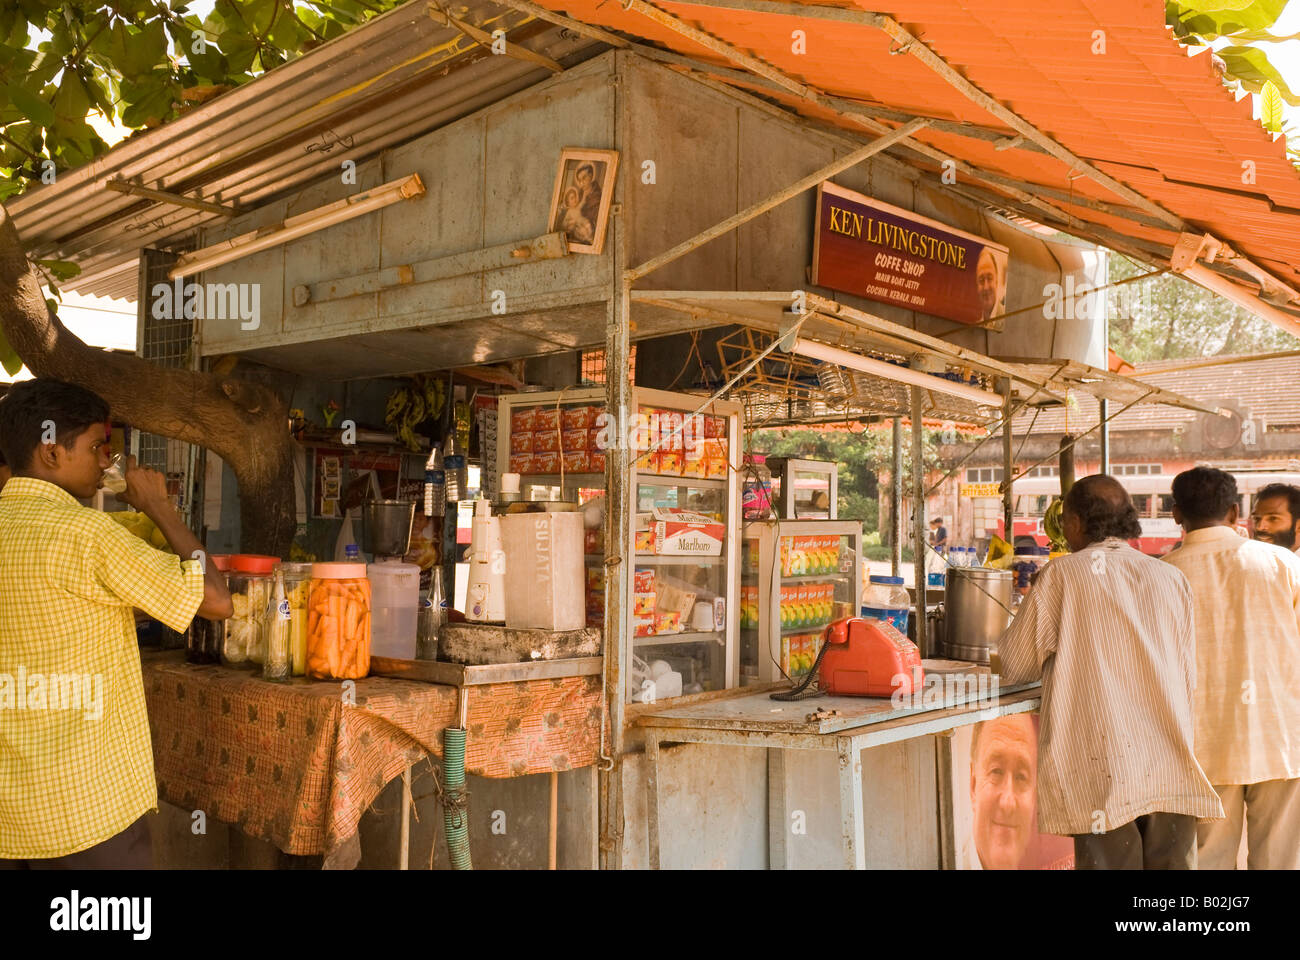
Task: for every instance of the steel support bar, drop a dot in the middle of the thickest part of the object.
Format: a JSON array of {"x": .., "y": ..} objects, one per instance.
[
  {"x": 619, "y": 521},
  {"x": 483, "y": 38},
  {"x": 1008, "y": 529},
  {"x": 766, "y": 204},
  {"x": 549, "y": 246},
  {"x": 559, "y": 19},
  {"x": 992, "y": 432},
  {"x": 1103, "y": 408},
  {"x": 896, "y": 503},
  {"x": 1075, "y": 440},
  {"x": 918, "y": 517},
  {"x": 163, "y": 196},
  {"x": 908, "y": 43}
]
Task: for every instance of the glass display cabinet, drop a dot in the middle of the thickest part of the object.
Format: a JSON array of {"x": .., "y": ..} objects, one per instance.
[
  {"x": 796, "y": 577},
  {"x": 684, "y": 588}
]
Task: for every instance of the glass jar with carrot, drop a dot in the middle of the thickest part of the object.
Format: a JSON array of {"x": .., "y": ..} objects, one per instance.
[{"x": 338, "y": 622}]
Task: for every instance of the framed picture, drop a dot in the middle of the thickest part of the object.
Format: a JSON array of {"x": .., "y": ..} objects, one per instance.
[{"x": 584, "y": 188}]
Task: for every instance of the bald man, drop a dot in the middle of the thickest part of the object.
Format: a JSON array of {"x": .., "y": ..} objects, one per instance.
[
  {"x": 989, "y": 284},
  {"x": 1111, "y": 632},
  {"x": 1003, "y": 777}
]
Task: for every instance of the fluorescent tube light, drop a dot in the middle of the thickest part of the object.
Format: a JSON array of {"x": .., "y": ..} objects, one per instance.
[
  {"x": 297, "y": 226},
  {"x": 890, "y": 371}
]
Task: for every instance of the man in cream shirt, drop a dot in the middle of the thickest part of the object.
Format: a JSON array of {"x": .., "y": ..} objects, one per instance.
[{"x": 1247, "y": 708}]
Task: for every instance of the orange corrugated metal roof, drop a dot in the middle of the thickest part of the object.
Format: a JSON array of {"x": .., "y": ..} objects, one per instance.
[{"x": 1143, "y": 112}]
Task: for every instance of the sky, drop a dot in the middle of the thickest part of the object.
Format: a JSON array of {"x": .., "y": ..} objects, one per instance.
[{"x": 112, "y": 323}]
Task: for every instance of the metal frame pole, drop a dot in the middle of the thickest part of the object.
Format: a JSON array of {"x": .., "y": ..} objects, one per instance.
[
  {"x": 618, "y": 520},
  {"x": 918, "y": 517},
  {"x": 896, "y": 503},
  {"x": 1008, "y": 505},
  {"x": 1103, "y": 411},
  {"x": 774, "y": 200}
]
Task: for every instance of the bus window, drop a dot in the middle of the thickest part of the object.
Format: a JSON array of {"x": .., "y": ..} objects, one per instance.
[
  {"x": 1166, "y": 508},
  {"x": 1142, "y": 502}
]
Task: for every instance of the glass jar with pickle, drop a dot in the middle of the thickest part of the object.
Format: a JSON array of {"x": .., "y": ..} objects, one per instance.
[
  {"x": 297, "y": 585},
  {"x": 338, "y": 622},
  {"x": 249, "y": 581}
]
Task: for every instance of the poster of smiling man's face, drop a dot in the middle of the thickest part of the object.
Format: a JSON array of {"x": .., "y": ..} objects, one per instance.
[{"x": 997, "y": 826}]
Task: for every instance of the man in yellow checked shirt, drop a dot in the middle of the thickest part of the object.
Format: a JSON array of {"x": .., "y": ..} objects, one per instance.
[{"x": 76, "y": 763}]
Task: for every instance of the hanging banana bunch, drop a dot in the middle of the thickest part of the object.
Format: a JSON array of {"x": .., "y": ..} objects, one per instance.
[
  {"x": 1052, "y": 525},
  {"x": 411, "y": 405}
]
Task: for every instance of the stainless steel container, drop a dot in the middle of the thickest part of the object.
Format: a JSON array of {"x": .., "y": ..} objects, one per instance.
[
  {"x": 387, "y": 527},
  {"x": 977, "y": 608}
]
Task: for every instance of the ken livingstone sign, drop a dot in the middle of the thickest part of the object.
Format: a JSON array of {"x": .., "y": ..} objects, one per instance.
[{"x": 884, "y": 253}]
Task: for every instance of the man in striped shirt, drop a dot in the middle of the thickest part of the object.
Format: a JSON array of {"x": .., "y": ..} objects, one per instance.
[
  {"x": 1248, "y": 661},
  {"x": 1110, "y": 632}
]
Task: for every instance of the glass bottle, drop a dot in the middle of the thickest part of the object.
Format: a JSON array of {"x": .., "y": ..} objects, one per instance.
[
  {"x": 435, "y": 484},
  {"x": 433, "y": 614},
  {"x": 278, "y": 662}
]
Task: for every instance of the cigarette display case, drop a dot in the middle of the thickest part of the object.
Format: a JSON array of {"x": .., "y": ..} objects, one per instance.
[{"x": 683, "y": 592}]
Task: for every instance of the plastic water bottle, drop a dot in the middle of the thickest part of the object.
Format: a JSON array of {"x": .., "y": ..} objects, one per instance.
[
  {"x": 352, "y": 553},
  {"x": 435, "y": 484}
]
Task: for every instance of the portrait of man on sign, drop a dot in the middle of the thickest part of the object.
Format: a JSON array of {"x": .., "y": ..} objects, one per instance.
[
  {"x": 1002, "y": 830},
  {"x": 991, "y": 283}
]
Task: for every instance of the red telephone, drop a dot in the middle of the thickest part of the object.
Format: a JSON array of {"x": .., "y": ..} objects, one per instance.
[{"x": 868, "y": 658}]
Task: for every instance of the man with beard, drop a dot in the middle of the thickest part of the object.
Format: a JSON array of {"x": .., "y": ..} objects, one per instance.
[
  {"x": 1247, "y": 704},
  {"x": 1275, "y": 518}
]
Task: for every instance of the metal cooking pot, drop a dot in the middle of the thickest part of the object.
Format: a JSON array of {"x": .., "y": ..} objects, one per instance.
[
  {"x": 977, "y": 608},
  {"x": 387, "y": 526}
]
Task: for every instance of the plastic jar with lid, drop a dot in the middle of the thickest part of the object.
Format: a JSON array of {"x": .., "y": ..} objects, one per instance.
[
  {"x": 756, "y": 495},
  {"x": 887, "y": 599},
  {"x": 204, "y": 638},
  {"x": 338, "y": 622},
  {"x": 249, "y": 581},
  {"x": 297, "y": 585}
]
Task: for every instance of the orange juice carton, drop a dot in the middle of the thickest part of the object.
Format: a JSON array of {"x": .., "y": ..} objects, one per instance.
[
  {"x": 671, "y": 427},
  {"x": 643, "y": 604},
  {"x": 670, "y": 463}
]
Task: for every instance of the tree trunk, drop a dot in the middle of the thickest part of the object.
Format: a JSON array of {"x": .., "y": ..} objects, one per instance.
[{"x": 245, "y": 423}]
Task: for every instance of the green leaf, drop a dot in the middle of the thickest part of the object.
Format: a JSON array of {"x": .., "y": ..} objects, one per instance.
[
  {"x": 153, "y": 102},
  {"x": 11, "y": 362},
  {"x": 1270, "y": 108},
  {"x": 72, "y": 101},
  {"x": 32, "y": 106},
  {"x": 60, "y": 269},
  {"x": 1221, "y": 18},
  {"x": 1251, "y": 66}
]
